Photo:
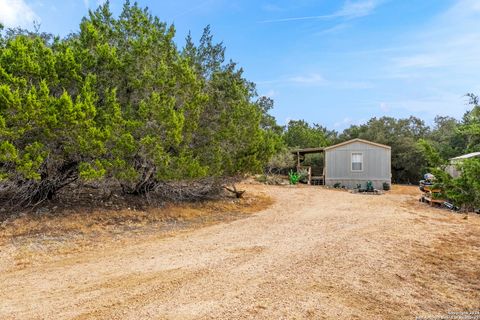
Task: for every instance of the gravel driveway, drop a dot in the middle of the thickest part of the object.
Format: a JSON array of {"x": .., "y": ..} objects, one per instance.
[{"x": 314, "y": 254}]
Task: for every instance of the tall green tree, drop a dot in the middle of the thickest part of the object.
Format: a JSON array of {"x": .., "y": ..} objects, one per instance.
[
  {"x": 300, "y": 134},
  {"x": 235, "y": 134},
  {"x": 446, "y": 137},
  {"x": 49, "y": 135},
  {"x": 470, "y": 127},
  {"x": 118, "y": 101}
]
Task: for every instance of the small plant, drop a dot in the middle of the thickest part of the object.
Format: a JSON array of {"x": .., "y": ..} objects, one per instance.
[
  {"x": 294, "y": 177},
  {"x": 386, "y": 186},
  {"x": 369, "y": 187},
  {"x": 359, "y": 186},
  {"x": 337, "y": 185}
]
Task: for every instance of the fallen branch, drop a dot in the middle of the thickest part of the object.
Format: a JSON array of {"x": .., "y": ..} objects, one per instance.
[{"x": 238, "y": 194}]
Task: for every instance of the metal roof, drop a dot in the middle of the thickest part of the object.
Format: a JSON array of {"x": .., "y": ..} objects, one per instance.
[
  {"x": 358, "y": 140},
  {"x": 466, "y": 156}
]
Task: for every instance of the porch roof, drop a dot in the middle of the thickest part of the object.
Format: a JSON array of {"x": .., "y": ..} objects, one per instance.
[{"x": 308, "y": 150}]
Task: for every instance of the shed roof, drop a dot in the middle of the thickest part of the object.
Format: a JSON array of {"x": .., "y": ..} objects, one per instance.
[
  {"x": 358, "y": 140},
  {"x": 466, "y": 156}
]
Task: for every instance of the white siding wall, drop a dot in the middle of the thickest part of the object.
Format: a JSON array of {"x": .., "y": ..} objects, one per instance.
[{"x": 376, "y": 165}]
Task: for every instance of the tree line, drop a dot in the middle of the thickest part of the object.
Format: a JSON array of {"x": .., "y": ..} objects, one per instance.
[
  {"x": 448, "y": 136},
  {"x": 416, "y": 147},
  {"x": 119, "y": 103}
]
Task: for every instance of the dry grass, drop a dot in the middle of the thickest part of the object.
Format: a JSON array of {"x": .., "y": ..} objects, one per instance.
[
  {"x": 450, "y": 271},
  {"x": 47, "y": 236},
  {"x": 446, "y": 268},
  {"x": 100, "y": 221}
]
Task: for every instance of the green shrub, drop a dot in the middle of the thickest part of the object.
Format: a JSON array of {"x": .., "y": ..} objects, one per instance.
[
  {"x": 462, "y": 191},
  {"x": 294, "y": 177},
  {"x": 119, "y": 101}
]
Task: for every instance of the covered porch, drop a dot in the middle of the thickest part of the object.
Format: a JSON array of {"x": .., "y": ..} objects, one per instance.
[{"x": 315, "y": 171}]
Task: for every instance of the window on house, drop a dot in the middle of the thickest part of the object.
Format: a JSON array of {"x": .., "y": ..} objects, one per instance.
[{"x": 357, "y": 161}]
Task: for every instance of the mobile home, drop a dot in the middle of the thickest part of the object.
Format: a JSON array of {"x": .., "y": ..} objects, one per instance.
[{"x": 357, "y": 161}]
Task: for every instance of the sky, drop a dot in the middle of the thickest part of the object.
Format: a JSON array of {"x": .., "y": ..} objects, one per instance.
[{"x": 333, "y": 63}]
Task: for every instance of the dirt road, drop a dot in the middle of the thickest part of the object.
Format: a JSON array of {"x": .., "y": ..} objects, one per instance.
[{"x": 314, "y": 254}]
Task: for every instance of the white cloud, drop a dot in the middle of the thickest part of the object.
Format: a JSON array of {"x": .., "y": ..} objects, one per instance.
[
  {"x": 421, "y": 60},
  {"x": 451, "y": 40},
  {"x": 349, "y": 10},
  {"x": 302, "y": 79},
  {"x": 384, "y": 107},
  {"x": 16, "y": 13},
  {"x": 426, "y": 106},
  {"x": 357, "y": 9},
  {"x": 270, "y": 93},
  {"x": 334, "y": 29},
  {"x": 311, "y": 79},
  {"x": 435, "y": 66},
  {"x": 316, "y": 80}
]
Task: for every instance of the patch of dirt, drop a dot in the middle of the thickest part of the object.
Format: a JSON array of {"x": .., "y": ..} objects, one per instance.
[
  {"x": 314, "y": 254},
  {"x": 43, "y": 237},
  {"x": 405, "y": 190}
]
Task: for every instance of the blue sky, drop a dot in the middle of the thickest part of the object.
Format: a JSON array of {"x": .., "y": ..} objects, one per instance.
[{"x": 334, "y": 63}]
